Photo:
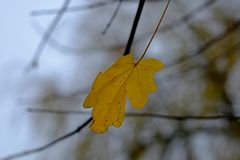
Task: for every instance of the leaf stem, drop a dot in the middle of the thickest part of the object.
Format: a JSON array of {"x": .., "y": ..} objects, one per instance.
[{"x": 156, "y": 30}]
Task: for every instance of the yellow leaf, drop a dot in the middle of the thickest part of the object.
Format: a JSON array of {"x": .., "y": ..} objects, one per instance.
[{"x": 110, "y": 88}]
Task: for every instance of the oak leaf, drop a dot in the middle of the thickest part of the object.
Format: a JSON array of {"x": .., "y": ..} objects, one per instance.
[{"x": 110, "y": 88}]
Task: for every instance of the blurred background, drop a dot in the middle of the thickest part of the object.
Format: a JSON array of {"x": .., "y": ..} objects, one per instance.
[{"x": 198, "y": 42}]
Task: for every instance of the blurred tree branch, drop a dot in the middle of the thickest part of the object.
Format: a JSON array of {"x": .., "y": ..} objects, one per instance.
[
  {"x": 113, "y": 17},
  {"x": 39, "y": 149},
  {"x": 213, "y": 41},
  {"x": 73, "y": 9},
  {"x": 142, "y": 115},
  {"x": 46, "y": 36}
]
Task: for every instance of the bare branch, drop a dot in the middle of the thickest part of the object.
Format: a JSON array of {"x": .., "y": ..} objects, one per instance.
[
  {"x": 184, "y": 118},
  {"x": 48, "y": 145},
  {"x": 134, "y": 27},
  {"x": 57, "y": 112},
  {"x": 113, "y": 17},
  {"x": 141, "y": 115},
  {"x": 213, "y": 41},
  {"x": 232, "y": 28},
  {"x": 47, "y": 35},
  {"x": 73, "y": 9}
]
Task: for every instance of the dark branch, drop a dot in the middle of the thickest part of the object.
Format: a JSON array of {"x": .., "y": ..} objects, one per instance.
[
  {"x": 141, "y": 115},
  {"x": 134, "y": 27},
  {"x": 48, "y": 145},
  {"x": 183, "y": 118},
  {"x": 46, "y": 36}
]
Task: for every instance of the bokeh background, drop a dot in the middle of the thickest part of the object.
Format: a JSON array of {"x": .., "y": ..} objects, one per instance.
[{"x": 198, "y": 42}]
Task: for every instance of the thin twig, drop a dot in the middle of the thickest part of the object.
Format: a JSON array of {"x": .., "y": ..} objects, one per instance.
[
  {"x": 48, "y": 145},
  {"x": 34, "y": 61},
  {"x": 183, "y": 118},
  {"x": 57, "y": 112},
  {"x": 140, "y": 115},
  {"x": 72, "y": 9},
  {"x": 210, "y": 43},
  {"x": 112, "y": 17},
  {"x": 46, "y": 12}
]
